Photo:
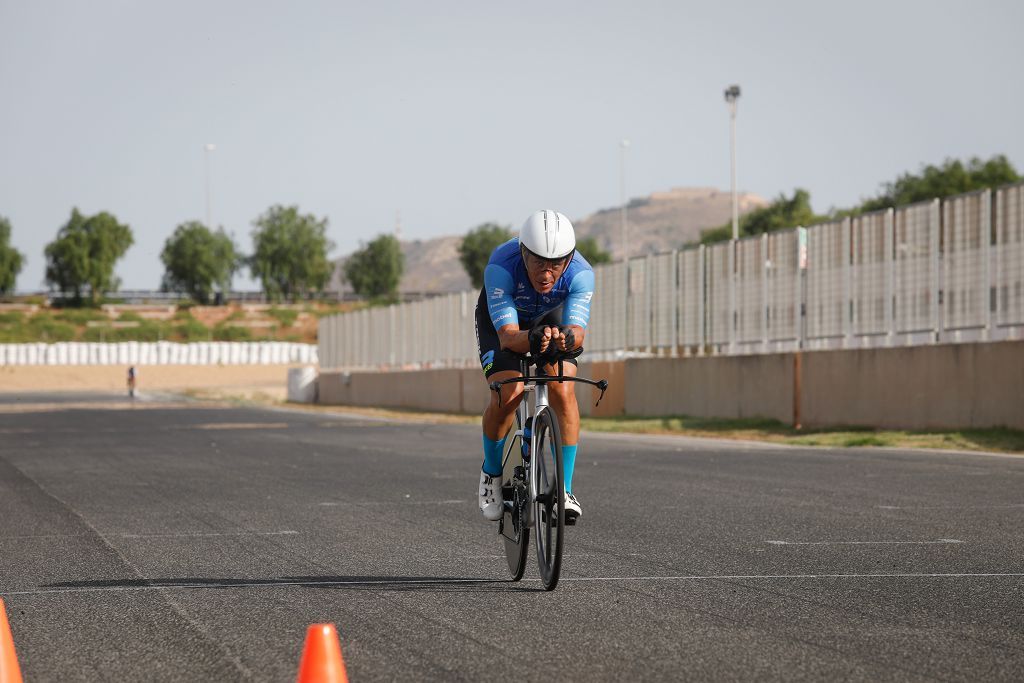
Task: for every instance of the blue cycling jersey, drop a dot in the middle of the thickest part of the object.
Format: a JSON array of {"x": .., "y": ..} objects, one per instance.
[{"x": 512, "y": 300}]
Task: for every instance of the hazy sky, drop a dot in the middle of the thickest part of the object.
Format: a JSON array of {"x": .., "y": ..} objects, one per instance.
[{"x": 455, "y": 113}]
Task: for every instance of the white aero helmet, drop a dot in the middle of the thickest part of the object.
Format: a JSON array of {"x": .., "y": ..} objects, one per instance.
[{"x": 548, "y": 235}]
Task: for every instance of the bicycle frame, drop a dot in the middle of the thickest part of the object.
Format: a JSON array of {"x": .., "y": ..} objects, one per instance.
[
  {"x": 531, "y": 486},
  {"x": 537, "y": 384}
]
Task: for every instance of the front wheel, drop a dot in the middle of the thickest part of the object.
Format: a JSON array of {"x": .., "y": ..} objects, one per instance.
[{"x": 549, "y": 503}]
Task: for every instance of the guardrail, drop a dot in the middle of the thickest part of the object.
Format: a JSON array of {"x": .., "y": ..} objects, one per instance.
[
  {"x": 936, "y": 271},
  {"x": 158, "y": 353}
]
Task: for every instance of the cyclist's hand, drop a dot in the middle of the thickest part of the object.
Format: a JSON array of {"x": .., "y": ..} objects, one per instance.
[
  {"x": 566, "y": 338},
  {"x": 541, "y": 338}
]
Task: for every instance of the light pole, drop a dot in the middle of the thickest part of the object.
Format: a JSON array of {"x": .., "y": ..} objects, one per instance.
[
  {"x": 732, "y": 93},
  {"x": 623, "y": 146},
  {"x": 209, "y": 147}
]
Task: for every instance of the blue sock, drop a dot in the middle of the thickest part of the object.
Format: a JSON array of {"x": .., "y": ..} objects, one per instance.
[
  {"x": 568, "y": 465},
  {"x": 492, "y": 456}
]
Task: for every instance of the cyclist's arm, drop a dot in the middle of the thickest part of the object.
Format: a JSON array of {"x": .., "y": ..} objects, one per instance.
[
  {"x": 513, "y": 339},
  {"x": 498, "y": 287}
]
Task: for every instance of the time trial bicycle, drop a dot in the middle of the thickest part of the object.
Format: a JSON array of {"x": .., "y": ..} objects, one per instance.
[{"x": 532, "y": 483}]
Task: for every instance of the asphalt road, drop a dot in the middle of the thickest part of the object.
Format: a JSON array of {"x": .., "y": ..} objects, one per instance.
[{"x": 190, "y": 543}]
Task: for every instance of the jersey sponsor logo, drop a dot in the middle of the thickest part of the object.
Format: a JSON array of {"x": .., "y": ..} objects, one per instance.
[
  {"x": 497, "y": 293},
  {"x": 487, "y": 360}
]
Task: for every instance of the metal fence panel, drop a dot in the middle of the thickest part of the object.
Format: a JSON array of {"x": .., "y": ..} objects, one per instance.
[
  {"x": 828, "y": 255},
  {"x": 1010, "y": 255},
  {"x": 871, "y": 273},
  {"x": 750, "y": 290},
  {"x": 719, "y": 314},
  {"x": 664, "y": 293},
  {"x": 783, "y": 279},
  {"x": 691, "y": 297},
  {"x": 966, "y": 237},
  {"x": 638, "y": 320},
  {"x": 607, "y": 328},
  {"x": 916, "y": 267}
]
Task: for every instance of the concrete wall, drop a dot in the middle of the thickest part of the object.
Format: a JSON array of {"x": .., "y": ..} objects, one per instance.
[
  {"x": 718, "y": 386},
  {"x": 614, "y": 401},
  {"x": 921, "y": 387},
  {"x": 453, "y": 390},
  {"x": 951, "y": 385},
  {"x": 434, "y": 390}
]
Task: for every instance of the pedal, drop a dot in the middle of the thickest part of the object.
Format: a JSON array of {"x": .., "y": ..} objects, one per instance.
[{"x": 570, "y": 518}]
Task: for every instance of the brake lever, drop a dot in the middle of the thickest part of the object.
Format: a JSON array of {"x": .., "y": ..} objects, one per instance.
[{"x": 603, "y": 386}]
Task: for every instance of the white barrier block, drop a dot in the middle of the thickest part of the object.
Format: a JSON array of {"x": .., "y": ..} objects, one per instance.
[{"x": 302, "y": 384}]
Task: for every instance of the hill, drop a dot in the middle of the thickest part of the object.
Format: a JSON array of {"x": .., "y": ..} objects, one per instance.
[{"x": 660, "y": 222}]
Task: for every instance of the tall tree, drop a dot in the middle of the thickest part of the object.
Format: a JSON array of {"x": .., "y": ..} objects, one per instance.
[
  {"x": 476, "y": 247},
  {"x": 784, "y": 212},
  {"x": 290, "y": 253},
  {"x": 952, "y": 177},
  {"x": 11, "y": 260},
  {"x": 592, "y": 251},
  {"x": 82, "y": 257},
  {"x": 198, "y": 261},
  {"x": 375, "y": 270}
]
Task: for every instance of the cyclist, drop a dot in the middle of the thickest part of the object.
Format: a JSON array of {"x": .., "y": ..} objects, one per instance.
[{"x": 536, "y": 298}]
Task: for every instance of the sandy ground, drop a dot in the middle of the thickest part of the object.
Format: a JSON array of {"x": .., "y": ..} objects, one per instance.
[{"x": 269, "y": 379}]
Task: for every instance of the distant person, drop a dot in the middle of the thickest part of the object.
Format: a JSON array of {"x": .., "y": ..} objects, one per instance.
[{"x": 131, "y": 381}]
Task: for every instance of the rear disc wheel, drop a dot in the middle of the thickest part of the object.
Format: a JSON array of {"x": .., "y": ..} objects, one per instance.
[{"x": 513, "y": 528}]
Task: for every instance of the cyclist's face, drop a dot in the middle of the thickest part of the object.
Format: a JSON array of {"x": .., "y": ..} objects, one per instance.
[{"x": 544, "y": 273}]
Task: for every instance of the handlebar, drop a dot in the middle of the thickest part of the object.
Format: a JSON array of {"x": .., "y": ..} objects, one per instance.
[{"x": 601, "y": 384}]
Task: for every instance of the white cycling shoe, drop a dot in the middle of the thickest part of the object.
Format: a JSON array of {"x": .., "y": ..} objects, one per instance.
[
  {"x": 489, "y": 496},
  {"x": 573, "y": 511}
]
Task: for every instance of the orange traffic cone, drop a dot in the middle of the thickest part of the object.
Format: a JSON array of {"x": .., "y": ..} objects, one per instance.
[
  {"x": 9, "y": 671},
  {"x": 321, "y": 657}
]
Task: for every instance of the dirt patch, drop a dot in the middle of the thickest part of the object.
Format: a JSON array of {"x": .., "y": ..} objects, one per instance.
[{"x": 269, "y": 379}]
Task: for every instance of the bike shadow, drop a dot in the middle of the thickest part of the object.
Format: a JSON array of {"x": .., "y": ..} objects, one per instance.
[{"x": 437, "y": 584}]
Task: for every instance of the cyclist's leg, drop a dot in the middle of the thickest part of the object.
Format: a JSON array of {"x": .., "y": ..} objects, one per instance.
[
  {"x": 565, "y": 407},
  {"x": 497, "y": 365}
]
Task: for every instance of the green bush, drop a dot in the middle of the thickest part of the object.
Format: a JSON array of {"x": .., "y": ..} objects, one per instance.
[
  {"x": 146, "y": 331},
  {"x": 284, "y": 316},
  {"x": 11, "y": 318},
  {"x": 47, "y": 329},
  {"x": 191, "y": 330},
  {"x": 237, "y": 314},
  {"x": 183, "y": 313},
  {"x": 232, "y": 333},
  {"x": 79, "y": 316},
  {"x": 130, "y": 316}
]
